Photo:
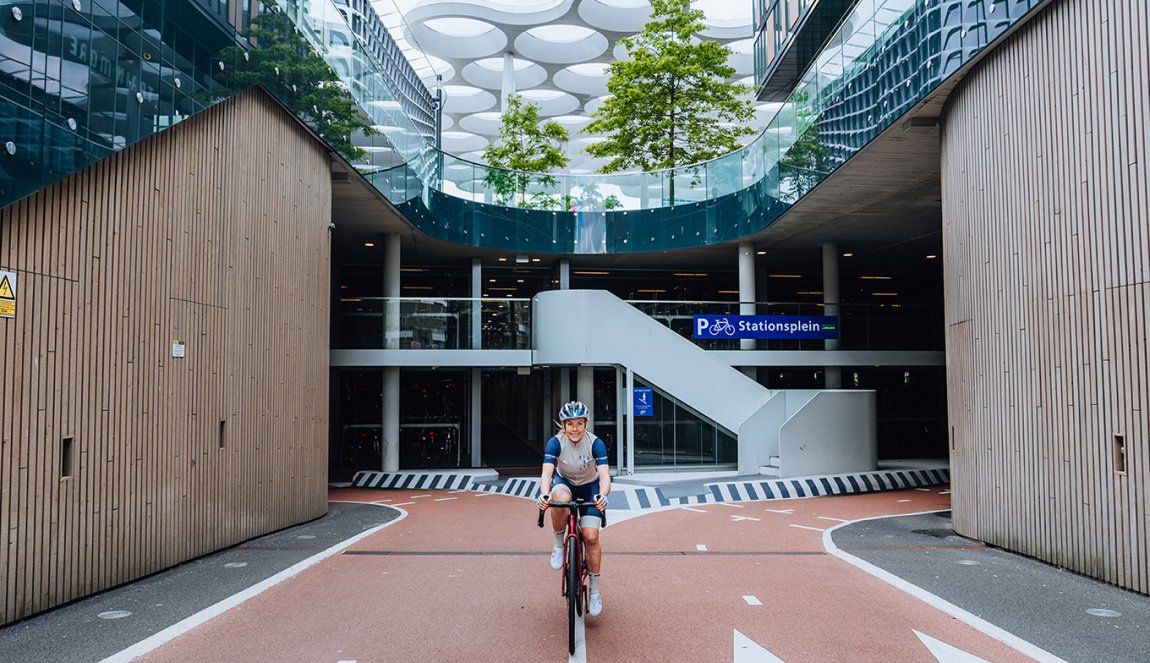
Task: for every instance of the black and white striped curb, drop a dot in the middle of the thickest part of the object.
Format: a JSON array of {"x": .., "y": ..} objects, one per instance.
[{"x": 647, "y": 497}]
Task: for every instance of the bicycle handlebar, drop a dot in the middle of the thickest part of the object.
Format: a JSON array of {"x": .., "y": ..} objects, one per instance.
[{"x": 577, "y": 504}]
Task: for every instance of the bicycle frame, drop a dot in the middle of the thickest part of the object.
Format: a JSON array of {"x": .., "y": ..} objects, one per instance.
[{"x": 574, "y": 570}]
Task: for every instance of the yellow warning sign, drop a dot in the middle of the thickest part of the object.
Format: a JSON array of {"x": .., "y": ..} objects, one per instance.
[{"x": 7, "y": 294}]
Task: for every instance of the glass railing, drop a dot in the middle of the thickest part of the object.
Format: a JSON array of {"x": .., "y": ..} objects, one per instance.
[
  {"x": 885, "y": 56},
  {"x": 409, "y": 323}
]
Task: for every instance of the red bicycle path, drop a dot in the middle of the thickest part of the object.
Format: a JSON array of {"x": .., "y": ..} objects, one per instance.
[{"x": 463, "y": 576}]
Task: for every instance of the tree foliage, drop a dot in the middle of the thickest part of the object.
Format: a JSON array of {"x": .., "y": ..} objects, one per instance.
[
  {"x": 669, "y": 102},
  {"x": 809, "y": 158},
  {"x": 285, "y": 64},
  {"x": 526, "y": 151}
]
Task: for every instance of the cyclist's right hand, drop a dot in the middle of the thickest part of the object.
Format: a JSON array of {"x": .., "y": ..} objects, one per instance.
[{"x": 543, "y": 501}]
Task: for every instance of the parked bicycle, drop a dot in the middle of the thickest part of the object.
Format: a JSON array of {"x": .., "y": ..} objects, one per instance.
[{"x": 574, "y": 564}]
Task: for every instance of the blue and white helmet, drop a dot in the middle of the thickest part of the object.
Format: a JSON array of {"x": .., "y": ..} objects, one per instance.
[{"x": 573, "y": 410}]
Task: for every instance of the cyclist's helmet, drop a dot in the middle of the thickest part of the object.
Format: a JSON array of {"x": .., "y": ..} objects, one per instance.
[{"x": 573, "y": 410}]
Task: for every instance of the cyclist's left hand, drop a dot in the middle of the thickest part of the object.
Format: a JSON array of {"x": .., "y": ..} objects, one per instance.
[{"x": 601, "y": 502}]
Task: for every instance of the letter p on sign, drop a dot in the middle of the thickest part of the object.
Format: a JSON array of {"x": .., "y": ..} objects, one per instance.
[{"x": 701, "y": 325}]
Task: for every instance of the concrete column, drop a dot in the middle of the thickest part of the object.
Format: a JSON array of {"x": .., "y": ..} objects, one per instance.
[
  {"x": 476, "y": 305},
  {"x": 390, "y": 408},
  {"x": 563, "y": 273},
  {"x": 508, "y": 78},
  {"x": 585, "y": 386},
  {"x": 832, "y": 374},
  {"x": 747, "y": 295},
  {"x": 476, "y": 418}
]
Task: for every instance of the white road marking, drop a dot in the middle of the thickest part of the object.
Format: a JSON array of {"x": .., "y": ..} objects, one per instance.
[
  {"x": 415, "y": 497},
  {"x": 786, "y": 511},
  {"x": 805, "y": 527},
  {"x": 735, "y": 519},
  {"x": 736, "y": 506},
  {"x": 580, "y": 655},
  {"x": 751, "y": 600},
  {"x": 904, "y": 500},
  {"x": 452, "y": 492},
  {"x": 837, "y": 520},
  {"x": 944, "y": 492},
  {"x": 179, "y": 628},
  {"x": 1003, "y": 636},
  {"x": 749, "y": 651},
  {"x": 924, "y": 490},
  {"x": 402, "y": 504},
  {"x": 701, "y": 547},
  {"x": 381, "y": 501},
  {"x": 687, "y": 508},
  {"x": 945, "y": 653},
  {"x": 444, "y": 499}
]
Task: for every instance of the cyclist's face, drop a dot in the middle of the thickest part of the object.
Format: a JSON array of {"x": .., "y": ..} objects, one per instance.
[{"x": 574, "y": 428}]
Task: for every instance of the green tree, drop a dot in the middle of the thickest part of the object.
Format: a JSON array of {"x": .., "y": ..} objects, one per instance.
[
  {"x": 287, "y": 66},
  {"x": 670, "y": 100},
  {"x": 525, "y": 153},
  {"x": 809, "y": 158}
]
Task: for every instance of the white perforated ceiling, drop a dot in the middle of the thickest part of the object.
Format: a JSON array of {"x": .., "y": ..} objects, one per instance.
[{"x": 559, "y": 50}]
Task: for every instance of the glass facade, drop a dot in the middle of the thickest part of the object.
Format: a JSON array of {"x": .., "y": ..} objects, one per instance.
[{"x": 676, "y": 437}]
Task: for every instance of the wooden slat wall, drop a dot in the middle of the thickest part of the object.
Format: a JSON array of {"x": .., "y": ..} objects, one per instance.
[
  {"x": 214, "y": 232},
  {"x": 1046, "y": 217}
]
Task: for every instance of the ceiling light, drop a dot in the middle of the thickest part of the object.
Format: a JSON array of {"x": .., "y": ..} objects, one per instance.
[
  {"x": 503, "y": 260},
  {"x": 593, "y": 273},
  {"x": 520, "y": 259},
  {"x": 875, "y": 278},
  {"x": 885, "y": 294},
  {"x": 369, "y": 244},
  {"x": 689, "y": 274},
  {"x": 847, "y": 255},
  {"x": 784, "y": 276},
  {"x": 535, "y": 260},
  {"x": 760, "y": 253},
  {"x": 931, "y": 257}
]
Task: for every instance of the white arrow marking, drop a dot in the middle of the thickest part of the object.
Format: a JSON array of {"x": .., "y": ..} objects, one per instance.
[
  {"x": 701, "y": 547},
  {"x": 736, "y": 519},
  {"x": 749, "y": 651},
  {"x": 786, "y": 511},
  {"x": 945, "y": 653}
]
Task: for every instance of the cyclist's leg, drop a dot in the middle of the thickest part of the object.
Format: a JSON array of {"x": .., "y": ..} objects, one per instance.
[
  {"x": 590, "y": 524},
  {"x": 560, "y": 492}
]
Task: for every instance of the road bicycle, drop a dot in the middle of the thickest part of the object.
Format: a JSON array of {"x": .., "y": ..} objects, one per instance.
[{"x": 574, "y": 564}]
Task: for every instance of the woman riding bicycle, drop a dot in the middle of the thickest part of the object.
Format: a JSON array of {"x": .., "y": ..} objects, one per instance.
[{"x": 583, "y": 473}]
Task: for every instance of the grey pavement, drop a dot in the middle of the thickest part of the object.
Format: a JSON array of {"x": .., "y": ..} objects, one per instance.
[{"x": 1069, "y": 615}]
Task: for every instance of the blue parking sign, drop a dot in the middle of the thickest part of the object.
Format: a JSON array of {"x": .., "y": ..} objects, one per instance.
[{"x": 643, "y": 402}]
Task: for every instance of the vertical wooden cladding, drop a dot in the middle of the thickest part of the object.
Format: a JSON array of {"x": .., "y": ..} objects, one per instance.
[
  {"x": 1046, "y": 228},
  {"x": 213, "y": 233}
]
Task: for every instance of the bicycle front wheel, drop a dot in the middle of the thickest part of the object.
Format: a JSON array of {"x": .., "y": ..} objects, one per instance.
[{"x": 573, "y": 590}]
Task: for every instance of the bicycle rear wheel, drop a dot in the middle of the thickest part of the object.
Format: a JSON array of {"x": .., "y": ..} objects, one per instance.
[{"x": 573, "y": 590}]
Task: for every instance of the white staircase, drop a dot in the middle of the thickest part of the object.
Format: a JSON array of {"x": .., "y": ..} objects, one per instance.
[{"x": 580, "y": 327}]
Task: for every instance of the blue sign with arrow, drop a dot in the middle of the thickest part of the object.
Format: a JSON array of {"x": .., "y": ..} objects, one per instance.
[{"x": 643, "y": 402}]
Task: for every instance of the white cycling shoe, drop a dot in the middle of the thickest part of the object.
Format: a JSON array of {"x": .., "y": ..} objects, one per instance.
[
  {"x": 556, "y": 558},
  {"x": 594, "y": 605}
]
